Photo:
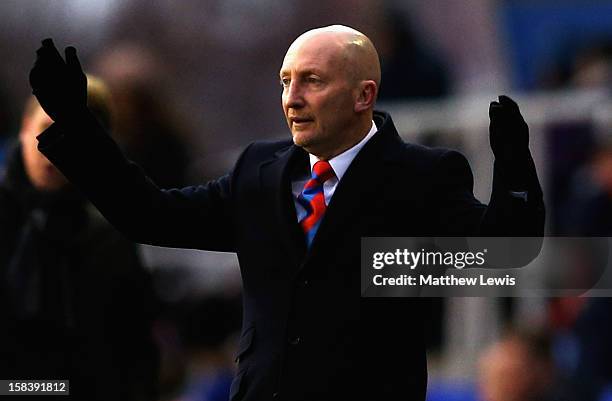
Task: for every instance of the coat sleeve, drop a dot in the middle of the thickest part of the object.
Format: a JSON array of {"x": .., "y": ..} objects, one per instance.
[
  {"x": 512, "y": 212},
  {"x": 193, "y": 217},
  {"x": 509, "y": 213}
]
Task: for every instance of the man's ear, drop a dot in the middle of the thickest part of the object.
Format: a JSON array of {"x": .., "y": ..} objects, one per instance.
[{"x": 366, "y": 96}]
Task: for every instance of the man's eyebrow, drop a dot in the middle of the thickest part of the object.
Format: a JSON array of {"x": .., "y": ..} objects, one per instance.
[{"x": 303, "y": 71}]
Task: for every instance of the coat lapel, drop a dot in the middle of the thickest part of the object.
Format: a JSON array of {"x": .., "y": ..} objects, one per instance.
[{"x": 275, "y": 180}]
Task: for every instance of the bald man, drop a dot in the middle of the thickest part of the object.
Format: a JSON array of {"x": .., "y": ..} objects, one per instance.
[{"x": 295, "y": 211}]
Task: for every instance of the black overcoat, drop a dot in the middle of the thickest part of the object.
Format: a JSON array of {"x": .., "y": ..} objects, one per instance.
[{"x": 307, "y": 334}]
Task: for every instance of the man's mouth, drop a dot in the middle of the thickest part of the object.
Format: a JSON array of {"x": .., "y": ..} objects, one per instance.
[{"x": 300, "y": 120}]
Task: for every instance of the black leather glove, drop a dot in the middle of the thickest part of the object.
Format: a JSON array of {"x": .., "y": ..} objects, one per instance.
[
  {"x": 60, "y": 86},
  {"x": 509, "y": 138}
]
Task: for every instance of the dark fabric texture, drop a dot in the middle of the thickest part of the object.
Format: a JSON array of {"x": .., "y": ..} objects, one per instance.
[
  {"x": 307, "y": 334},
  {"x": 75, "y": 302}
]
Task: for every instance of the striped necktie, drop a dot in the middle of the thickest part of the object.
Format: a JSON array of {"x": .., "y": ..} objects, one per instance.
[{"x": 312, "y": 199}]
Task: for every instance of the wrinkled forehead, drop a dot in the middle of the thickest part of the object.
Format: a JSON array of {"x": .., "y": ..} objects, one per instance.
[{"x": 315, "y": 51}]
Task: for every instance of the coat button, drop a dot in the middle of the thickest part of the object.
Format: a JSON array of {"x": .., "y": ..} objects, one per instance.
[
  {"x": 274, "y": 395},
  {"x": 295, "y": 341}
]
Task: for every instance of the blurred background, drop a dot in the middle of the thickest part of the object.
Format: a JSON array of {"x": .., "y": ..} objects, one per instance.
[{"x": 194, "y": 81}]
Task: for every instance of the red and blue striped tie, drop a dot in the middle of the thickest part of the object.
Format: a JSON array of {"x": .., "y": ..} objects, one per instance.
[{"x": 313, "y": 199}]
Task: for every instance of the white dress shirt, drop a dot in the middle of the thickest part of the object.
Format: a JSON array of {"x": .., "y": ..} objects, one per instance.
[{"x": 339, "y": 163}]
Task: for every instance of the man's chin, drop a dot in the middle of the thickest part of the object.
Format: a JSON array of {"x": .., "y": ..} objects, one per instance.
[{"x": 302, "y": 139}]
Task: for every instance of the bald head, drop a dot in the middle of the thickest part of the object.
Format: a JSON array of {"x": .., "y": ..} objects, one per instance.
[
  {"x": 353, "y": 48},
  {"x": 330, "y": 79}
]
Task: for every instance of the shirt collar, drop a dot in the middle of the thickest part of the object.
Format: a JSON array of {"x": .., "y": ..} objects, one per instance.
[{"x": 341, "y": 162}]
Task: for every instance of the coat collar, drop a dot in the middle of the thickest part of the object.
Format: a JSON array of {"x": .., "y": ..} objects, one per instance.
[{"x": 362, "y": 183}]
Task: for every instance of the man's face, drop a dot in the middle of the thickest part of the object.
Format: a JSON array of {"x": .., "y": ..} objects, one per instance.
[
  {"x": 43, "y": 175},
  {"x": 318, "y": 95}
]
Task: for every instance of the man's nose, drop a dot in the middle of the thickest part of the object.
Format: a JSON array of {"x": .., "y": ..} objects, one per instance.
[{"x": 294, "y": 97}]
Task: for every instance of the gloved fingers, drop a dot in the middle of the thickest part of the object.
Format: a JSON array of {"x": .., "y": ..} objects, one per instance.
[
  {"x": 505, "y": 109},
  {"x": 47, "y": 43},
  {"x": 508, "y": 103},
  {"x": 48, "y": 52},
  {"x": 47, "y": 61},
  {"x": 72, "y": 61},
  {"x": 494, "y": 108}
]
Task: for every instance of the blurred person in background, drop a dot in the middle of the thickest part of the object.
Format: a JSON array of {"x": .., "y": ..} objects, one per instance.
[
  {"x": 518, "y": 367},
  {"x": 409, "y": 70},
  {"x": 593, "y": 66},
  {"x": 588, "y": 208},
  {"x": 581, "y": 189},
  {"x": 75, "y": 302},
  {"x": 7, "y": 129},
  {"x": 583, "y": 65},
  {"x": 587, "y": 351},
  {"x": 198, "y": 335},
  {"x": 208, "y": 327},
  {"x": 576, "y": 153},
  {"x": 146, "y": 123},
  {"x": 583, "y": 327}
]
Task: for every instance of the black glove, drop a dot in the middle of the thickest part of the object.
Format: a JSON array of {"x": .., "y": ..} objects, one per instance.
[
  {"x": 60, "y": 86},
  {"x": 509, "y": 138}
]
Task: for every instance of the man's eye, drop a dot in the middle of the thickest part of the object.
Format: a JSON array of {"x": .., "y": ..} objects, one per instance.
[
  {"x": 285, "y": 82},
  {"x": 313, "y": 80}
]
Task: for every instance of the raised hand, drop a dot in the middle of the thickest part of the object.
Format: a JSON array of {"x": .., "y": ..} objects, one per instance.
[
  {"x": 509, "y": 138},
  {"x": 508, "y": 132},
  {"x": 60, "y": 86}
]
